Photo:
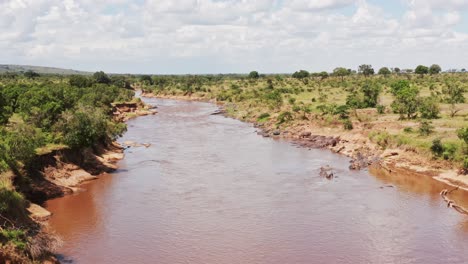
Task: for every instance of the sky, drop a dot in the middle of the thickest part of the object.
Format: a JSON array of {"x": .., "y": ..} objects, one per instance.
[{"x": 233, "y": 36}]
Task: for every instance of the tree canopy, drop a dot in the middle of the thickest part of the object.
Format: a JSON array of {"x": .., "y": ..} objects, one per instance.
[
  {"x": 301, "y": 74},
  {"x": 366, "y": 69}
]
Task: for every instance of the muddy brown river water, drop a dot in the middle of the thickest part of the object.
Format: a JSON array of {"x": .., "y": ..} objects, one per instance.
[{"x": 209, "y": 190}]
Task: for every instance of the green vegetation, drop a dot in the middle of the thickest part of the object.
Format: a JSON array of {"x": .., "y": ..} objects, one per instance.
[
  {"x": 39, "y": 112},
  {"x": 395, "y": 108}
]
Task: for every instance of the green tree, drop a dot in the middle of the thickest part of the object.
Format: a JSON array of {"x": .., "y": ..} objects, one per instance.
[
  {"x": 454, "y": 94},
  {"x": 31, "y": 74},
  {"x": 396, "y": 70},
  {"x": 101, "y": 77},
  {"x": 421, "y": 70},
  {"x": 146, "y": 79},
  {"x": 323, "y": 75},
  {"x": 429, "y": 107},
  {"x": 371, "y": 93},
  {"x": 80, "y": 81},
  {"x": 435, "y": 69},
  {"x": 341, "y": 72},
  {"x": 462, "y": 134},
  {"x": 19, "y": 144},
  {"x": 4, "y": 113},
  {"x": 384, "y": 71},
  {"x": 87, "y": 126},
  {"x": 254, "y": 75},
  {"x": 366, "y": 69},
  {"x": 399, "y": 85},
  {"x": 301, "y": 74},
  {"x": 406, "y": 101}
]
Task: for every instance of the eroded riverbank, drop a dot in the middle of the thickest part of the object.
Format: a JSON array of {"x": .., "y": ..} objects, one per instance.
[{"x": 209, "y": 190}]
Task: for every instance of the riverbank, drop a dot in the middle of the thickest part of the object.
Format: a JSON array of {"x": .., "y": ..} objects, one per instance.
[
  {"x": 355, "y": 143},
  {"x": 54, "y": 172}
]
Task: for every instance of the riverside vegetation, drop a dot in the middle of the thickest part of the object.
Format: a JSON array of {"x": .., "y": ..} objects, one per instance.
[
  {"x": 40, "y": 115},
  {"x": 422, "y": 113},
  {"x": 419, "y": 115}
]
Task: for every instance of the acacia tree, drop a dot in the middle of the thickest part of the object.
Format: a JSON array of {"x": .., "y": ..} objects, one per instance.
[
  {"x": 301, "y": 74},
  {"x": 384, "y": 71},
  {"x": 146, "y": 79},
  {"x": 366, "y": 69},
  {"x": 101, "y": 77},
  {"x": 323, "y": 75},
  {"x": 254, "y": 75},
  {"x": 435, "y": 69},
  {"x": 421, "y": 70},
  {"x": 407, "y": 99},
  {"x": 341, "y": 72},
  {"x": 454, "y": 94}
]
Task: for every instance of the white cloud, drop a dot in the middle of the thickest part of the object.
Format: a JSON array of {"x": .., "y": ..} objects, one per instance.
[
  {"x": 311, "y": 5},
  {"x": 228, "y": 35}
]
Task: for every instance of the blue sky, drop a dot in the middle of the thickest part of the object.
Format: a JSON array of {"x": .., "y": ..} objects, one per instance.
[{"x": 224, "y": 36}]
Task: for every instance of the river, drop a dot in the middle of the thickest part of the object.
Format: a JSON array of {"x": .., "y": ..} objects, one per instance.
[{"x": 210, "y": 190}]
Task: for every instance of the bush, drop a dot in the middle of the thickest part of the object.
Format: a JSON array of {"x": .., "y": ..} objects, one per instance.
[
  {"x": 284, "y": 117},
  {"x": 381, "y": 109},
  {"x": 347, "y": 124},
  {"x": 437, "y": 148},
  {"x": 341, "y": 111},
  {"x": 429, "y": 108},
  {"x": 101, "y": 77},
  {"x": 426, "y": 128},
  {"x": 87, "y": 126},
  {"x": 449, "y": 151},
  {"x": 406, "y": 101},
  {"x": 463, "y": 134},
  {"x": 263, "y": 116},
  {"x": 80, "y": 81},
  {"x": 12, "y": 205},
  {"x": 15, "y": 236},
  {"x": 408, "y": 129},
  {"x": 399, "y": 85}
]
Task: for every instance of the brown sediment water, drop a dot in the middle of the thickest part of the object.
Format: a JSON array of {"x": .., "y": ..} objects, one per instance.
[{"x": 209, "y": 190}]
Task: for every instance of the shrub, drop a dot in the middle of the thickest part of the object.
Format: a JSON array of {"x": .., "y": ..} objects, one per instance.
[
  {"x": 263, "y": 116},
  {"x": 408, "y": 129},
  {"x": 399, "y": 85},
  {"x": 381, "y": 109},
  {"x": 437, "y": 148},
  {"x": 284, "y": 117},
  {"x": 15, "y": 236},
  {"x": 429, "y": 108},
  {"x": 80, "y": 81},
  {"x": 87, "y": 126},
  {"x": 341, "y": 111},
  {"x": 449, "y": 151},
  {"x": 426, "y": 128},
  {"x": 406, "y": 101},
  {"x": 463, "y": 134},
  {"x": 12, "y": 205},
  {"x": 347, "y": 124},
  {"x": 381, "y": 138}
]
